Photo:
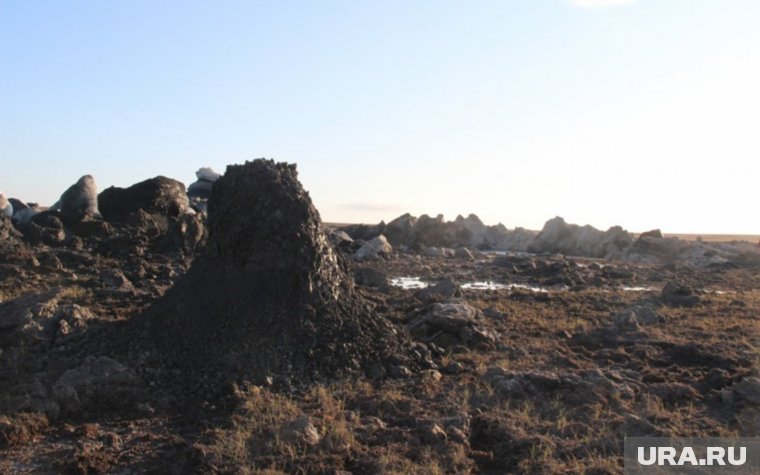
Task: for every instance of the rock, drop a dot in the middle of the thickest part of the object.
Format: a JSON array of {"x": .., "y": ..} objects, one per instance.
[
  {"x": 747, "y": 390},
  {"x": 301, "y": 431},
  {"x": 115, "y": 280},
  {"x": 452, "y": 324},
  {"x": 374, "y": 249},
  {"x": 412, "y": 232},
  {"x": 79, "y": 201},
  {"x": 208, "y": 174},
  {"x": 653, "y": 249},
  {"x": 342, "y": 241},
  {"x": 44, "y": 227},
  {"x": 364, "y": 232},
  {"x": 160, "y": 195},
  {"x": 655, "y": 233},
  {"x": 72, "y": 321},
  {"x": 205, "y": 184},
  {"x": 430, "y": 231},
  {"x": 21, "y": 216},
  {"x": 443, "y": 290},
  {"x": 6, "y": 208},
  {"x": 675, "y": 294},
  {"x": 30, "y": 319},
  {"x": 570, "y": 239},
  {"x": 187, "y": 233},
  {"x": 437, "y": 252},
  {"x": 634, "y": 316},
  {"x": 463, "y": 253},
  {"x": 400, "y": 231},
  {"x": 18, "y": 205},
  {"x": 584, "y": 388},
  {"x": 371, "y": 277},
  {"x": 268, "y": 294},
  {"x": 97, "y": 382}
]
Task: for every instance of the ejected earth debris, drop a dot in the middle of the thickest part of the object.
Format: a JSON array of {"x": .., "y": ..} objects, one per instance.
[
  {"x": 269, "y": 295},
  {"x": 219, "y": 328},
  {"x": 158, "y": 195}
]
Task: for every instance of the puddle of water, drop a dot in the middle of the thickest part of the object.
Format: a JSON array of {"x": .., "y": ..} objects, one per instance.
[
  {"x": 418, "y": 283},
  {"x": 493, "y": 252},
  {"x": 528, "y": 287},
  {"x": 483, "y": 285},
  {"x": 491, "y": 285},
  {"x": 409, "y": 283}
]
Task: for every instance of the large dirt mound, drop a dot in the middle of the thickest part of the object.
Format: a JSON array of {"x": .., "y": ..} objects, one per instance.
[{"x": 269, "y": 295}]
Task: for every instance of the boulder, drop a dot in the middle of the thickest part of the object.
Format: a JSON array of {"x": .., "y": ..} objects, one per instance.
[
  {"x": 443, "y": 290},
  {"x": 654, "y": 233},
  {"x": 452, "y": 324},
  {"x": 431, "y": 231},
  {"x": 80, "y": 200},
  {"x": 160, "y": 195},
  {"x": 376, "y": 248},
  {"x": 341, "y": 240},
  {"x": 6, "y": 208},
  {"x": 463, "y": 253},
  {"x": 425, "y": 231},
  {"x": 676, "y": 294},
  {"x": 400, "y": 231},
  {"x": 204, "y": 185},
  {"x": 17, "y": 204},
  {"x": 21, "y": 216},
  {"x": 371, "y": 277},
  {"x": 557, "y": 236},
  {"x": 632, "y": 317},
  {"x": 364, "y": 232}
]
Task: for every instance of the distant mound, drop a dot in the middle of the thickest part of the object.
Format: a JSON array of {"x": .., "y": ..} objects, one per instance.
[{"x": 269, "y": 295}]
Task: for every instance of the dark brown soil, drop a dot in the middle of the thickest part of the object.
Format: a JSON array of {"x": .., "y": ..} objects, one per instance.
[{"x": 259, "y": 358}]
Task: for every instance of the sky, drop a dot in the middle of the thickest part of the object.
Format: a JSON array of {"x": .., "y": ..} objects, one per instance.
[{"x": 639, "y": 113}]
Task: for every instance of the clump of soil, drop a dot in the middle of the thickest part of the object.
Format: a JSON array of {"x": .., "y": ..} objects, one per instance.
[{"x": 269, "y": 295}]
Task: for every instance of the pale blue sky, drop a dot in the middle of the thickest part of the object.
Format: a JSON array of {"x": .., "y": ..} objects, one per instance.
[{"x": 640, "y": 113}]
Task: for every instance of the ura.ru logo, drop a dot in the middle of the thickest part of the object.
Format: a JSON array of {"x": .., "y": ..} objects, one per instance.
[{"x": 687, "y": 456}]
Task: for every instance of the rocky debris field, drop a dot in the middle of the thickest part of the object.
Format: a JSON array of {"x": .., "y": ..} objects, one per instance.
[{"x": 228, "y": 330}]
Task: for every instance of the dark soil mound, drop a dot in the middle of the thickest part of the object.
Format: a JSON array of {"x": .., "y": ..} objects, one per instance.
[
  {"x": 159, "y": 195},
  {"x": 269, "y": 295}
]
